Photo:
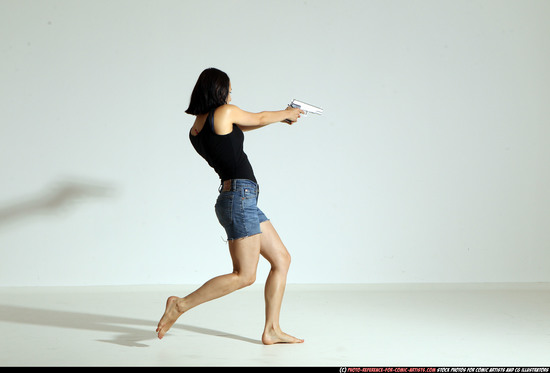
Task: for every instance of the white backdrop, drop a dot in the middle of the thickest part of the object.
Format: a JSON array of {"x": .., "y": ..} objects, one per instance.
[{"x": 430, "y": 163}]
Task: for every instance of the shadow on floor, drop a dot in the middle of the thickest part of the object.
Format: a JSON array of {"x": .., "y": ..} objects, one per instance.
[{"x": 130, "y": 332}]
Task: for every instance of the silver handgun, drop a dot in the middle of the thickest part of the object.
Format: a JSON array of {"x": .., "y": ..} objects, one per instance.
[{"x": 307, "y": 108}]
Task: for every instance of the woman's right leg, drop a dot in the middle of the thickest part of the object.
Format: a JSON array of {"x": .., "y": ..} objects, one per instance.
[{"x": 245, "y": 253}]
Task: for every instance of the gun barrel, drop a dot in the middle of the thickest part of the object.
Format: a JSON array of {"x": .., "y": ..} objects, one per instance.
[{"x": 306, "y": 107}]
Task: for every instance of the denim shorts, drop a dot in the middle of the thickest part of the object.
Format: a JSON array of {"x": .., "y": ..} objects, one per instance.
[{"x": 237, "y": 209}]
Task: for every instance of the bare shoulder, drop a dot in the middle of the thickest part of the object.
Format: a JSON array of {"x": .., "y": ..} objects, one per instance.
[
  {"x": 226, "y": 109},
  {"x": 223, "y": 119}
]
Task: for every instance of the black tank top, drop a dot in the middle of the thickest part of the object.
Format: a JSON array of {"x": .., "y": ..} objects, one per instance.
[{"x": 224, "y": 153}]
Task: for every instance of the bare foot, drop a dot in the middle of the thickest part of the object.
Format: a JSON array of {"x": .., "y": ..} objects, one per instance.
[
  {"x": 170, "y": 316},
  {"x": 277, "y": 336}
]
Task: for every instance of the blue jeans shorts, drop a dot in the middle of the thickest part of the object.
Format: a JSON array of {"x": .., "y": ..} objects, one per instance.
[{"x": 237, "y": 209}]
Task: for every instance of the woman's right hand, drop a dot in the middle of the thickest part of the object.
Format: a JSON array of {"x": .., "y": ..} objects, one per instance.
[{"x": 293, "y": 115}]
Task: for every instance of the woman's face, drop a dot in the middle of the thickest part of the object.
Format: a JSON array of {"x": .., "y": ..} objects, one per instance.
[{"x": 229, "y": 95}]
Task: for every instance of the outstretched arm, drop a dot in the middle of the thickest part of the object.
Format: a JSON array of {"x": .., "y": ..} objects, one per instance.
[{"x": 226, "y": 115}]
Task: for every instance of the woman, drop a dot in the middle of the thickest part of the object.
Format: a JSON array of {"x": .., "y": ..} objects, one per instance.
[{"x": 217, "y": 135}]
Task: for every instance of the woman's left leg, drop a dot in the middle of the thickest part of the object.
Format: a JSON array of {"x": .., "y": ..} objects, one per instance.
[
  {"x": 273, "y": 249},
  {"x": 245, "y": 254}
]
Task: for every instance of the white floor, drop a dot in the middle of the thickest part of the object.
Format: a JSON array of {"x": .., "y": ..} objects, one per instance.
[{"x": 343, "y": 325}]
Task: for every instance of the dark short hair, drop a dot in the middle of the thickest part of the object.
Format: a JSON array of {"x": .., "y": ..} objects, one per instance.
[{"x": 211, "y": 91}]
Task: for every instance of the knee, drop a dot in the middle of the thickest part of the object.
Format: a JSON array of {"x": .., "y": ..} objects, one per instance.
[
  {"x": 245, "y": 280},
  {"x": 286, "y": 259},
  {"x": 282, "y": 262},
  {"x": 248, "y": 280}
]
